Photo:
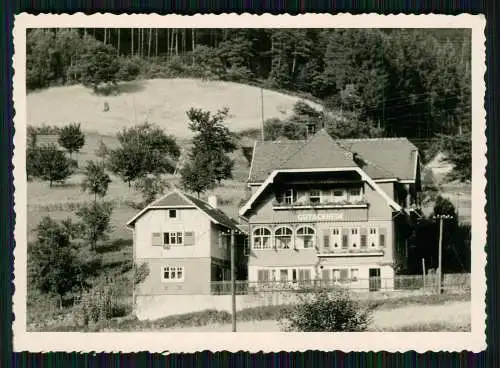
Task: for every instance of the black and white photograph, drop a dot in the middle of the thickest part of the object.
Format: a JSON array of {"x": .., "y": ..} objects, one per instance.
[{"x": 300, "y": 177}]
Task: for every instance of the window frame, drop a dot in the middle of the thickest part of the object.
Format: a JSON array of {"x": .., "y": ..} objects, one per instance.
[
  {"x": 354, "y": 238},
  {"x": 288, "y": 196},
  {"x": 172, "y": 270},
  {"x": 373, "y": 239},
  {"x": 281, "y": 236},
  {"x": 318, "y": 196},
  {"x": 336, "y": 237},
  {"x": 338, "y": 199},
  {"x": 176, "y": 235},
  {"x": 262, "y": 237},
  {"x": 172, "y": 211},
  {"x": 302, "y": 237}
]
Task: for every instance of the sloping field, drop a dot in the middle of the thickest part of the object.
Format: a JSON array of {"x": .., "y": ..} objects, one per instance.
[{"x": 162, "y": 101}]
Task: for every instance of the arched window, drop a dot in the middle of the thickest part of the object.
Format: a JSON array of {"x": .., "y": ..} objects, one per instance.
[
  {"x": 306, "y": 237},
  {"x": 261, "y": 238},
  {"x": 283, "y": 236}
]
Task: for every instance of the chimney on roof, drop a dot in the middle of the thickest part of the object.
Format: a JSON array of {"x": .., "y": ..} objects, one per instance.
[{"x": 213, "y": 200}]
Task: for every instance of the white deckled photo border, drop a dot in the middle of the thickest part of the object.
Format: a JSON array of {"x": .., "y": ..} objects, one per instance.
[{"x": 474, "y": 341}]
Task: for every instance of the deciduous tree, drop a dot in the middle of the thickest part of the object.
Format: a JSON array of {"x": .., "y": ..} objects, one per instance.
[
  {"x": 96, "y": 180},
  {"x": 95, "y": 222},
  {"x": 71, "y": 138},
  {"x": 51, "y": 164},
  {"x": 145, "y": 149}
]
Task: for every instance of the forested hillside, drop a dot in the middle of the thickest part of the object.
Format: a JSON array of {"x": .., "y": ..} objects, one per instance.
[{"x": 393, "y": 82}]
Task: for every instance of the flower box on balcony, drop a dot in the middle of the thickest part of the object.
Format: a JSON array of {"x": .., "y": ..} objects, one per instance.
[
  {"x": 361, "y": 203},
  {"x": 342, "y": 252}
]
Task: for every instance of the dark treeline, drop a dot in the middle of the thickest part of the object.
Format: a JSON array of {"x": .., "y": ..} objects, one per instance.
[{"x": 413, "y": 83}]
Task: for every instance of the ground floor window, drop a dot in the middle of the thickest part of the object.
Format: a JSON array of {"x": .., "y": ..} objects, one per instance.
[{"x": 172, "y": 274}]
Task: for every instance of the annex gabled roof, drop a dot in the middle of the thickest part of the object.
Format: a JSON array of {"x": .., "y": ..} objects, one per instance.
[
  {"x": 384, "y": 158},
  {"x": 177, "y": 199}
]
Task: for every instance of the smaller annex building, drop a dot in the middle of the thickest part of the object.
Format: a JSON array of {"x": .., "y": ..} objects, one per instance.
[{"x": 185, "y": 243}]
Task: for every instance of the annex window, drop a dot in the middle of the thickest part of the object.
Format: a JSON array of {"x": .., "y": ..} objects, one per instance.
[
  {"x": 355, "y": 238},
  {"x": 283, "y": 236},
  {"x": 173, "y": 238},
  {"x": 288, "y": 196},
  {"x": 372, "y": 237},
  {"x": 306, "y": 237},
  {"x": 315, "y": 196},
  {"x": 363, "y": 237},
  {"x": 172, "y": 274},
  {"x": 261, "y": 238},
  {"x": 172, "y": 213},
  {"x": 336, "y": 238}
]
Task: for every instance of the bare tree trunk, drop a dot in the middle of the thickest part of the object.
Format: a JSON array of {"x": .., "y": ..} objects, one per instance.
[
  {"x": 105, "y": 35},
  {"x": 118, "y": 42},
  {"x": 156, "y": 44},
  {"x": 132, "y": 42},
  {"x": 192, "y": 44},
  {"x": 149, "y": 42},
  {"x": 184, "y": 40},
  {"x": 172, "y": 38},
  {"x": 168, "y": 44},
  {"x": 142, "y": 42},
  {"x": 176, "y": 42}
]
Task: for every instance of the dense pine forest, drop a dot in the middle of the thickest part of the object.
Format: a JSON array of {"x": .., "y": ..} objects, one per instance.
[{"x": 396, "y": 82}]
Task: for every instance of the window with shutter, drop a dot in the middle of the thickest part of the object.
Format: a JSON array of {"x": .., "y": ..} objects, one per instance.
[
  {"x": 344, "y": 274},
  {"x": 260, "y": 275},
  {"x": 345, "y": 238},
  {"x": 363, "y": 238},
  {"x": 326, "y": 241},
  {"x": 189, "y": 238},
  {"x": 381, "y": 237},
  {"x": 325, "y": 275},
  {"x": 156, "y": 239},
  {"x": 307, "y": 275}
]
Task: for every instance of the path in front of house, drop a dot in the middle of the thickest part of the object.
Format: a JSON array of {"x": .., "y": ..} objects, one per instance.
[{"x": 456, "y": 313}]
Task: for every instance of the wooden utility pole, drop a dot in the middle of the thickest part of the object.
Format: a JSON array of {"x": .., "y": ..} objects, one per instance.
[
  {"x": 440, "y": 269},
  {"x": 233, "y": 282},
  {"x": 440, "y": 245},
  {"x": 423, "y": 272},
  {"x": 262, "y": 111}
]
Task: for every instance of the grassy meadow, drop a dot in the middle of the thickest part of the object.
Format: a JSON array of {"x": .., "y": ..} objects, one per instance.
[{"x": 163, "y": 102}]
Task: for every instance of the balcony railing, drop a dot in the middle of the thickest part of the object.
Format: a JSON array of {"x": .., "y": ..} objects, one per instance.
[
  {"x": 397, "y": 283},
  {"x": 361, "y": 203}
]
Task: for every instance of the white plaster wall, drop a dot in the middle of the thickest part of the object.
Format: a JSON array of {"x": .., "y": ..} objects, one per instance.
[{"x": 158, "y": 221}]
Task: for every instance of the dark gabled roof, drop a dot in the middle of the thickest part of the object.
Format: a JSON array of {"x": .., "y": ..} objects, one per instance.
[
  {"x": 178, "y": 199},
  {"x": 268, "y": 156},
  {"x": 383, "y": 158},
  {"x": 395, "y": 155},
  {"x": 320, "y": 152},
  {"x": 214, "y": 213},
  {"x": 172, "y": 199}
]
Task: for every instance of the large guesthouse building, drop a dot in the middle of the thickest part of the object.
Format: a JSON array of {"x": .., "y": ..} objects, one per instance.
[{"x": 339, "y": 211}]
